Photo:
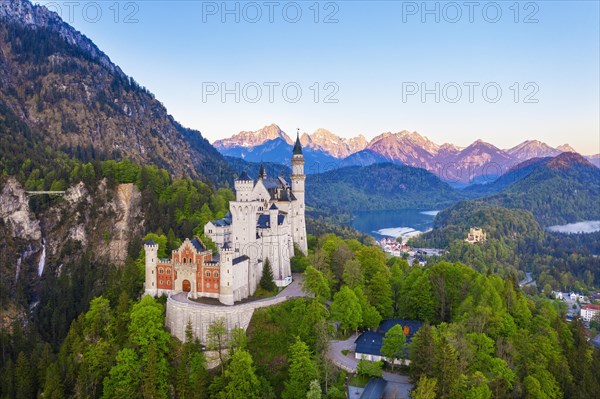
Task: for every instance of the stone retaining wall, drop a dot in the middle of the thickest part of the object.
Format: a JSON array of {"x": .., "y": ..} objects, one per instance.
[{"x": 180, "y": 310}]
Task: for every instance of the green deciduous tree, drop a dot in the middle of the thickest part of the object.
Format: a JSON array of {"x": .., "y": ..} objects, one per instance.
[
  {"x": 124, "y": 380},
  {"x": 370, "y": 369},
  {"x": 394, "y": 344},
  {"x": 216, "y": 340},
  {"x": 313, "y": 282},
  {"x": 345, "y": 308}
]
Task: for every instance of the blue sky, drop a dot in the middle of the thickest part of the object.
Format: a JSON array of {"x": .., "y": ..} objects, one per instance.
[{"x": 373, "y": 59}]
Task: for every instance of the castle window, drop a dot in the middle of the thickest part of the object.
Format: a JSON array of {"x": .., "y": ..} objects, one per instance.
[
  {"x": 216, "y": 285},
  {"x": 216, "y": 274},
  {"x": 183, "y": 260},
  {"x": 168, "y": 271},
  {"x": 161, "y": 271},
  {"x": 160, "y": 282},
  {"x": 207, "y": 274},
  {"x": 168, "y": 282},
  {"x": 207, "y": 285}
]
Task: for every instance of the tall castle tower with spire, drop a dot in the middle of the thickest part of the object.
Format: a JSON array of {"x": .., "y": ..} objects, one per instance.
[{"x": 298, "y": 179}]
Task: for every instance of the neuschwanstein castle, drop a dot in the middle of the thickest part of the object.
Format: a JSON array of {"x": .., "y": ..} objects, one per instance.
[{"x": 265, "y": 221}]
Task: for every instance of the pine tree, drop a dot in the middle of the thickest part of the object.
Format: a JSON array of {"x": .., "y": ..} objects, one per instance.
[
  {"x": 267, "y": 282},
  {"x": 24, "y": 383},
  {"x": 422, "y": 353},
  {"x": 302, "y": 371},
  {"x": 53, "y": 388},
  {"x": 314, "y": 391},
  {"x": 241, "y": 380}
]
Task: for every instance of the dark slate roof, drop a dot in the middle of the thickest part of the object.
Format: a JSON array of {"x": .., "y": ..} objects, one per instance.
[
  {"x": 226, "y": 245},
  {"x": 369, "y": 343},
  {"x": 413, "y": 326},
  {"x": 215, "y": 259},
  {"x": 273, "y": 207},
  {"x": 150, "y": 242},
  {"x": 279, "y": 189},
  {"x": 240, "y": 259},
  {"x": 374, "y": 389},
  {"x": 264, "y": 221},
  {"x": 244, "y": 176},
  {"x": 297, "y": 146},
  {"x": 198, "y": 244}
]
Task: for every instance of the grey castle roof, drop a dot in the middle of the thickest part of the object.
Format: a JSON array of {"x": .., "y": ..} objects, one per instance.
[
  {"x": 264, "y": 221},
  {"x": 297, "y": 146},
  {"x": 150, "y": 242},
  {"x": 198, "y": 244},
  {"x": 239, "y": 259},
  {"x": 244, "y": 176},
  {"x": 273, "y": 207},
  {"x": 279, "y": 189}
]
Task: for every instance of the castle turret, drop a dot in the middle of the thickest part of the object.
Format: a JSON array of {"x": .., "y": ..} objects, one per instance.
[
  {"x": 226, "y": 275},
  {"x": 151, "y": 252},
  {"x": 273, "y": 214},
  {"x": 298, "y": 178},
  {"x": 243, "y": 187}
]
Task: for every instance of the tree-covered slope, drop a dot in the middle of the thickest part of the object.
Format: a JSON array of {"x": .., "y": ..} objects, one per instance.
[
  {"x": 59, "y": 84},
  {"x": 377, "y": 187},
  {"x": 563, "y": 189}
]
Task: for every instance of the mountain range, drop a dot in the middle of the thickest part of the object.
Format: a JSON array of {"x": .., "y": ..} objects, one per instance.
[{"x": 324, "y": 151}]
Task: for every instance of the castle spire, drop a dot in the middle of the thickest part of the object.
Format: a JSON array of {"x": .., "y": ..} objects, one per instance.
[
  {"x": 297, "y": 147},
  {"x": 262, "y": 173}
]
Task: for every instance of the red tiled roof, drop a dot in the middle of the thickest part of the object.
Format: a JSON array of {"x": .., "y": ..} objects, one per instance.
[{"x": 591, "y": 306}]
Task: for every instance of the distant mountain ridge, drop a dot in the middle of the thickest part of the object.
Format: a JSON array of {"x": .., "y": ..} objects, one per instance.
[{"x": 478, "y": 162}]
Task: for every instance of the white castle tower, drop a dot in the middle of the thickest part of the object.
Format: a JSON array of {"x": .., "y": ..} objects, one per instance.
[
  {"x": 151, "y": 250},
  {"x": 227, "y": 281},
  {"x": 298, "y": 211}
]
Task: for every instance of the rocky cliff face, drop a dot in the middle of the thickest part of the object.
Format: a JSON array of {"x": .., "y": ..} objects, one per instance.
[
  {"x": 99, "y": 222},
  {"x": 67, "y": 91}
]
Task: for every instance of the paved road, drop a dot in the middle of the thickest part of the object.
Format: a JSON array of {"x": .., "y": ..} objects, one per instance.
[
  {"x": 291, "y": 291},
  {"x": 349, "y": 363}
]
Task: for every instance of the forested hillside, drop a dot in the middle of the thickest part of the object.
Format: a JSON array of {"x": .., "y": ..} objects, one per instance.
[
  {"x": 376, "y": 187},
  {"x": 67, "y": 92},
  {"x": 515, "y": 241},
  {"x": 483, "y": 337},
  {"x": 559, "y": 190}
]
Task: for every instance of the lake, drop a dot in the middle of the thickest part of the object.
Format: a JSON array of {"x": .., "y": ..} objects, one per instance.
[
  {"x": 588, "y": 226},
  {"x": 394, "y": 223}
]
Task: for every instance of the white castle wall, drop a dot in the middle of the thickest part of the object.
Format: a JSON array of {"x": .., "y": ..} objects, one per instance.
[{"x": 180, "y": 310}]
